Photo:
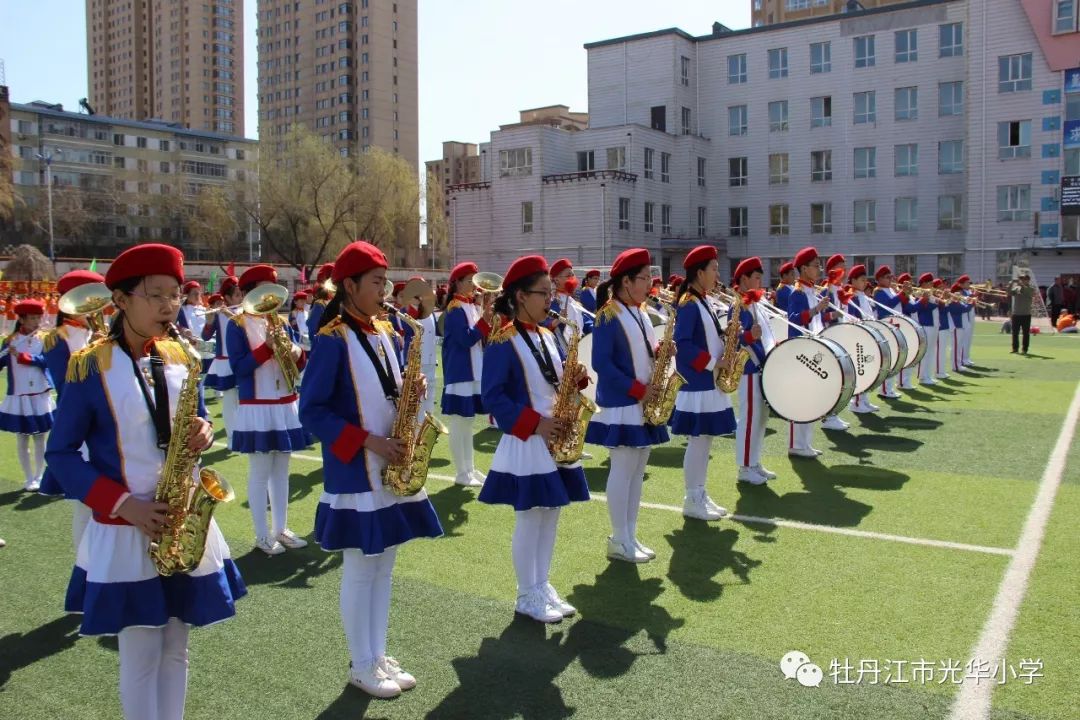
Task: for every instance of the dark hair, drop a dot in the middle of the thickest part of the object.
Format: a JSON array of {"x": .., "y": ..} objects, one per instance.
[
  {"x": 116, "y": 330},
  {"x": 333, "y": 308},
  {"x": 604, "y": 291},
  {"x": 691, "y": 275},
  {"x": 248, "y": 288},
  {"x": 506, "y": 302}
]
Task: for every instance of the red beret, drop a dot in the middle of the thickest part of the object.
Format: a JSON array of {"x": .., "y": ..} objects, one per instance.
[
  {"x": 215, "y": 297},
  {"x": 938, "y": 282},
  {"x": 30, "y": 307},
  {"x": 963, "y": 279},
  {"x": 399, "y": 286},
  {"x": 524, "y": 267},
  {"x": 700, "y": 254},
  {"x": 462, "y": 270},
  {"x": 747, "y": 266},
  {"x": 356, "y": 259},
  {"x": 144, "y": 260},
  {"x": 882, "y": 272},
  {"x": 326, "y": 271},
  {"x": 926, "y": 277},
  {"x": 904, "y": 277},
  {"x": 856, "y": 272},
  {"x": 834, "y": 261},
  {"x": 191, "y": 285},
  {"x": 787, "y": 267},
  {"x": 302, "y": 295},
  {"x": 804, "y": 257},
  {"x": 592, "y": 274},
  {"x": 258, "y": 274},
  {"x": 657, "y": 280},
  {"x": 559, "y": 265},
  {"x": 956, "y": 287},
  {"x": 75, "y": 278},
  {"x": 630, "y": 259},
  {"x": 229, "y": 283}
]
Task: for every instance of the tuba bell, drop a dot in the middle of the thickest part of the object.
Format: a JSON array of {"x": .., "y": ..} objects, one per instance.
[
  {"x": 265, "y": 300},
  {"x": 89, "y": 300}
]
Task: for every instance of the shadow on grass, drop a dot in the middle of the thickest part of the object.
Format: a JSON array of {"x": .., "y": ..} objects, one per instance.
[
  {"x": 883, "y": 424},
  {"x": 11, "y": 497},
  {"x": 33, "y": 501},
  {"x": 863, "y": 445},
  {"x": 19, "y": 650},
  {"x": 700, "y": 552},
  {"x": 450, "y": 505},
  {"x": 670, "y": 456},
  {"x": 292, "y": 569},
  {"x": 300, "y": 485},
  {"x": 596, "y": 476},
  {"x": 351, "y": 703}
]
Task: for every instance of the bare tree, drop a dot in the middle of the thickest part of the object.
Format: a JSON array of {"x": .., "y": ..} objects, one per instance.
[
  {"x": 438, "y": 229},
  {"x": 213, "y": 222},
  {"x": 387, "y": 208}
]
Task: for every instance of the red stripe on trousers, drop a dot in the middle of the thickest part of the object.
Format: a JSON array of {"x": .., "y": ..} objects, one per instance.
[
  {"x": 791, "y": 435},
  {"x": 749, "y": 418}
]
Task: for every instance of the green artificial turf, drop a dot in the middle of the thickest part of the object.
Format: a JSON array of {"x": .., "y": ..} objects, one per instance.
[{"x": 697, "y": 633}]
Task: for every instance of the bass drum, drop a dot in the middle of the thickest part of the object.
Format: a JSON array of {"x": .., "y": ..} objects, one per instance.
[
  {"x": 779, "y": 328},
  {"x": 869, "y": 351},
  {"x": 806, "y": 378},
  {"x": 915, "y": 335},
  {"x": 897, "y": 345},
  {"x": 585, "y": 356}
]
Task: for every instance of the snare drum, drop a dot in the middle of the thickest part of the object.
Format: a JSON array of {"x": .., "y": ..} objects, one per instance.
[
  {"x": 869, "y": 351},
  {"x": 897, "y": 345},
  {"x": 915, "y": 335},
  {"x": 805, "y": 378}
]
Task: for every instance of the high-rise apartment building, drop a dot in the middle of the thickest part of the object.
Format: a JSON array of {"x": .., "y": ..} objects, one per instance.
[
  {"x": 175, "y": 60},
  {"x": 346, "y": 70},
  {"x": 770, "y": 12}
]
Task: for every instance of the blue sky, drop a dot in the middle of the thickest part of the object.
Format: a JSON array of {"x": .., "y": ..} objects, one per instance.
[{"x": 480, "y": 60}]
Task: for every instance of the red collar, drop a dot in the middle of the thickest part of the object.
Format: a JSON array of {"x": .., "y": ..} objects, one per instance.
[
  {"x": 528, "y": 326},
  {"x": 366, "y": 325},
  {"x": 463, "y": 299}
]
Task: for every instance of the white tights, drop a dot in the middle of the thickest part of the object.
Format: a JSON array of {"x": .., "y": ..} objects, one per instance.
[
  {"x": 696, "y": 462},
  {"x": 153, "y": 671},
  {"x": 35, "y": 471},
  {"x": 532, "y": 546},
  {"x": 461, "y": 443},
  {"x": 80, "y": 518},
  {"x": 228, "y": 411},
  {"x": 624, "y": 491},
  {"x": 268, "y": 473},
  {"x": 365, "y": 603}
]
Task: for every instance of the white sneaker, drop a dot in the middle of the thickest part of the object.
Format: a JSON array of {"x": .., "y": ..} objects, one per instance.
[
  {"x": 714, "y": 508},
  {"x": 769, "y": 474},
  {"x": 752, "y": 476},
  {"x": 290, "y": 540},
  {"x": 32, "y": 485},
  {"x": 393, "y": 670},
  {"x": 467, "y": 480},
  {"x": 586, "y": 455},
  {"x": 649, "y": 553},
  {"x": 906, "y": 387},
  {"x": 931, "y": 381},
  {"x": 696, "y": 507},
  {"x": 536, "y": 606},
  {"x": 893, "y": 395},
  {"x": 804, "y": 452},
  {"x": 373, "y": 680},
  {"x": 556, "y": 601},
  {"x": 478, "y": 476},
  {"x": 858, "y": 410},
  {"x": 618, "y": 551},
  {"x": 942, "y": 376},
  {"x": 3, "y": 543},
  {"x": 269, "y": 546},
  {"x": 834, "y": 423}
]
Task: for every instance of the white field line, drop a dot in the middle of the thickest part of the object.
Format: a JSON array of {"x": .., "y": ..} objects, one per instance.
[
  {"x": 776, "y": 522},
  {"x": 974, "y": 698}
]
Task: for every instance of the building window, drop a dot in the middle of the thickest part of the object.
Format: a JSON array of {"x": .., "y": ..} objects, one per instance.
[
  {"x": 586, "y": 161},
  {"x": 1064, "y": 16},
  {"x": 1014, "y": 73},
  {"x": 737, "y": 120},
  {"x": 738, "y": 175},
  {"x": 684, "y": 68},
  {"x": 864, "y": 51},
  {"x": 905, "y": 264},
  {"x": 821, "y": 218},
  {"x": 865, "y": 107},
  {"x": 658, "y": 117},
  {"x": 140, "y": 142},
  {"x": 951, "y": 40},
  {"x": 778, "y": 220},
  {"x": 701, "y": 172},
  {"x": 950, "y": 157},
  {"x": 624, "y": 213},
  {"x": 117, "y": 139},
  {"x": 665, "y": 167},
  {"x": 702, "y": 221},
  {"x": 616, "y": 158},
  {"x": 907, "y": 160},
  {"x": 165, "y": 148},
  {"x": 820, "y": 165},
  {"x": 907, "y": 46},
  {"x": 778, "y": 169},
  {"x": 820, "y": 111},
  {"x": 865, "y": 216},
  {"x": 650, "y": 209},
  {"x": 865, "y": 162},
  {"x": 686, "y": 126},
  {"x": 1013, "y": 202},
  {"x": 1014, "y": 139},
  {"x": 907, "y": 214},
  {"x": 949, "y": 215},
  {"x": 665, "y": 219},
  {"x": 650, "y": 155},
  {"x": 1072, "y": 162},
  {"x": 736, "y": 74},
  {"x": 527, "y": 217},
  {"x": 778, "y": 116},
  {"x": 739, "y": 222},
  {"x": 907, "y": 103},
  {"x": 820, "y": 57},
  {"x": 778, "y": 67},
  {"x": 950, "y": 98},
  {"x": 514, "y": 162}
]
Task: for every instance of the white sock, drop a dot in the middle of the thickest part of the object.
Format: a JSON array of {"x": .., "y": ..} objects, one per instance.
[
  {"x": 228, "y": 411},
  {"x": 620, "y": 477},
  {"x": 80, "y": 517},
  {"x": 545, "y": 546},
  {"x": 141, "y": 651},
  {"x": 22, "y": 443},
  {"x": 260, "y": 466},
  {"x": 279, "y": 492},
  {"x": 39, "y": 455},
  {"x": 523, "y": 544},
  {"x": 173, "y": 672},
  {"x": 380, "y": 601},
  {"x": 696, "y": 462},
  {"x": 633, "y": 499},
  {"x": 357, "y": 581},
  {"x": 461, "y": 443}
]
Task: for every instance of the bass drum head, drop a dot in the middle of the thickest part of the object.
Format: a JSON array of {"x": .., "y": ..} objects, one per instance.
[
  {"x": 916, "y": 338},
  {"x": 779, "y": 329},
  {"x": 805, "y": 378},
  {"x": 868, "y": 349},
  {"x": 897, "y": 345},
  {"x": 585, "y": 357}
]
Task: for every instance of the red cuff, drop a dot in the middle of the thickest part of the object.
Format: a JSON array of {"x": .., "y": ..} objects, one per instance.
[
  {"x": 302, "y": 362},
  {"x": 24, "y": 358},
  {"x": 349, "y": 442},
  {"x": 924, "y": 302},
  {"x": 414, "y": 312},
  {"x": 103, "y": 495},
  {"x": 904, "y": 298},
  {"x": 805, "y": 317},
  {"x": 483, "y": 327},
  {"x": 583, "y": 383},
  {"x": 748, "y": 337},
  {"x": 638, "y": 390},
  {"x": 262, "y": 353},
  {"x": 526, "y": 424},
  {"x": 700, "y": 362},
  {"x": 827, "y": 317}
]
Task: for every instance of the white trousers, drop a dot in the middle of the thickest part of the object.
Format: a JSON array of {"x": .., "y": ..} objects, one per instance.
[
  {"x": 153, "y": 671},
  {"x": 430, "y": 372},
  {"x": 888, "y": 387},
  {"x": 861, "y": 401},
  {"x": 228, "y": 411},
  {"x": 696, "y": 463},
  {"x": 532, "y": 546},
  {"x": 365, "y": 603},
  {"x": 927, "y": 366},
  {"x": 969, "y": 333},
  {"x": 32, "y": 471},
  {"x": 944, "y": 345},
  {"x": 624, "y": 491},
  {"x": 753, "y": 416},
  {"x": 800, "y": 436},
  {"x": 268, "y": 474},
  {"x": 956, "y": 342},
  {"x": 907, "y": 376},
  {"x": 461, "y": 443}
]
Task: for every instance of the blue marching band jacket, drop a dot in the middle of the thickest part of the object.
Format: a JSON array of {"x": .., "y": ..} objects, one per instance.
[
  {"x": 219, "y": 376},
  {"x": 28, "y": 407},
  {"x": 462, "y": 354},
  {"x": 60, "y": 345},
  {"x": 700, "y": 408},
  {"x": 800, "y": 311}
]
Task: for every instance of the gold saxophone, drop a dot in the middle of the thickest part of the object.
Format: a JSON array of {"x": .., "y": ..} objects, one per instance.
[
  {"x": 265, "y": 300},
  {"x": 570, "y": 406},
  {"x": 658, "y": 410},
  {"x": 192, "y": 493},
  {"x": 407, "y": 477},
  {"x": 729, "y": 368}
]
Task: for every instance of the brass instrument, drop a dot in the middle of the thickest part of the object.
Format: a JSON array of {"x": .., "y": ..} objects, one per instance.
[
  {"x": 571, "y": 406},
  {"x": 488, "y": 282},
  {"x": 988, "y": 289},
  {"x": 666, "y": 387},
  {"x": 89, "y": 300},
  {"x": 265, "y": 300},
  {"x": 729, "y": 368},
  {"x": 408, "y": 476},
  {"x": 192, "y": 493},
  {"x": 229, "y": 312}
]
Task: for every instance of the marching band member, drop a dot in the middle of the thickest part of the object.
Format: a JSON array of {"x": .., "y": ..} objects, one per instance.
[
  {"x": 787, "y": 284},
  {"x": 220, "y": 375},
  {"x": 835, "y": 269},
  {"x": 757, "y": 337},
  {"x": 860, "y": 308},
  {"x": 964, "y": 281},
  {"x": 350, "y": 402},
  {"x": 926, "y": 311},
  {"x": 267, "y": 427},
  {"x": 588, "y": 291},
  {"x": 318, "y": 304},
  {"x": 624, "y": 348},
  {"x": 806, "y": 310},
  {"x": 909, "y": 308},
  {"x": 702, "y": 412},
  {"x": 117, "y": 401},
  {"x": 957, "y": 311},
  {"x": 298, "y": 318},
  {"x": 944, "y": 333},
  {"x": 28, "y": 408},
  {"x": 890, "y": 298},
  {"x": 466, "y": 326},
  {"x": 562, "y": 277},
  {"x": 191, "y": 317},
  {"x": 523, "y": 368}
]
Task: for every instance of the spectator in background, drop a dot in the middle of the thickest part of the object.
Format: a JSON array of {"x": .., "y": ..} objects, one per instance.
[
  {"x": 1022, "y": 294},
  {"x": 1071, "y": 296},
  {"x": 1055, "y": 299}
]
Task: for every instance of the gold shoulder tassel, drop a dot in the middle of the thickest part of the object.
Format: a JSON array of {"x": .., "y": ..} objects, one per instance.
[{"x": 92, "y": 359}]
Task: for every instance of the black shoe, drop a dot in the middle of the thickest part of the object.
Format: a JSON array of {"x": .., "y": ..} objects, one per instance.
[{"x": 1013, "y": 352}]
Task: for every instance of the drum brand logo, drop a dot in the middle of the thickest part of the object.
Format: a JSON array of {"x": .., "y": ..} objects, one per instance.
[{"x": 814, "y": 364}]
